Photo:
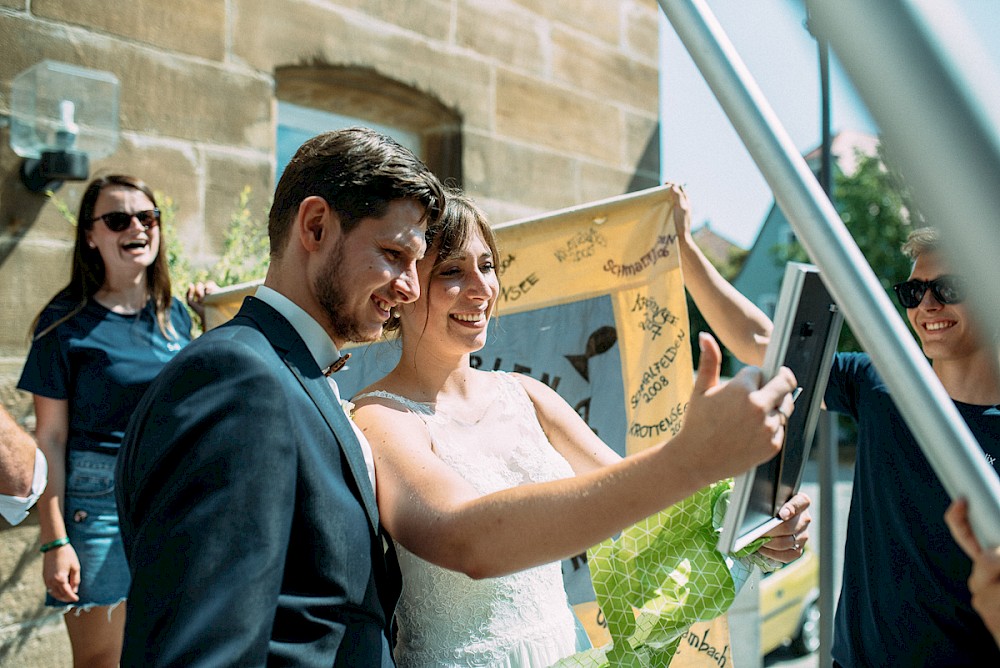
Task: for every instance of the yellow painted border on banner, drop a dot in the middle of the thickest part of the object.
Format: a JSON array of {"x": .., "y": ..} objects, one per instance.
[{"x": 625, "y": 247}]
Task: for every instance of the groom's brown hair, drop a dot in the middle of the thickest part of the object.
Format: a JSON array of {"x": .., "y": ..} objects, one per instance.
[{"x": 359, "y": 172}]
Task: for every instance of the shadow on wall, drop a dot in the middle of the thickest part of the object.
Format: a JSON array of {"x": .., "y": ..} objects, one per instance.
[
  {"x": 30, "y": 634},
  {"x": 647, "y": 170},
  {"x": 19, "y": 209}
]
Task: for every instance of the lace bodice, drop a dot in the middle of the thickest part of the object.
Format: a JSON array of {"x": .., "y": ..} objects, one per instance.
[{"x": 515, "y": 621}]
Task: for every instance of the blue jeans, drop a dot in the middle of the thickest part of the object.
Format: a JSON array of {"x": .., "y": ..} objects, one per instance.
[{"x": 92, "y": 527}]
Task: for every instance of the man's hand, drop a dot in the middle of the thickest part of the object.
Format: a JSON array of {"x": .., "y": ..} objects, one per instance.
[
  {"x": 789, "y": 538},
  {"x": 984, "y": 583}
]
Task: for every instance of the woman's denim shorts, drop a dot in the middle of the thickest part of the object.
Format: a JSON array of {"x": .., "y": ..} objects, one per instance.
[{"x": 92, "y": 526}]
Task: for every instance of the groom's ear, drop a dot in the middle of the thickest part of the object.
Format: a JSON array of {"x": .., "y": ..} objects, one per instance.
[{"x": 316, "y": 223}]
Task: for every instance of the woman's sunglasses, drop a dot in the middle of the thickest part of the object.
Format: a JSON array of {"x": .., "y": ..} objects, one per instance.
[
  {"x": 946, "y": 289},
  {"x": 120, "y": 220}
]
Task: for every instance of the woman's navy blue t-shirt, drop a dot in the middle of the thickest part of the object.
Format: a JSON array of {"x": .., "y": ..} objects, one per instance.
[
  {"x": 904, "y": 599},
  {"x": 101, "y": 362}
]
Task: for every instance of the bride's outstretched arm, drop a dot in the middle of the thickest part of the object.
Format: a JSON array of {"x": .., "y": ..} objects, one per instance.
[
  {"x": 575, "y": 441},
  {"x": 436, "y": 514}
]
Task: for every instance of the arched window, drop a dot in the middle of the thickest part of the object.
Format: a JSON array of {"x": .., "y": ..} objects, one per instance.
[{"x": 318, "y": 98}]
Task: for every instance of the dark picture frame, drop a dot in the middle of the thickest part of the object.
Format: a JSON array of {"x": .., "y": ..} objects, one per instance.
[{"x": 807, "y": 326}]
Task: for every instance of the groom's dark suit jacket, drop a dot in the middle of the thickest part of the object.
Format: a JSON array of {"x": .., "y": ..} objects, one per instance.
[{"x": 248, "y": 519}]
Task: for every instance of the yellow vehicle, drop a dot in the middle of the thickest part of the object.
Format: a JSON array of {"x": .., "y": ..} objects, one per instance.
[{"x": 789, "y": 606}]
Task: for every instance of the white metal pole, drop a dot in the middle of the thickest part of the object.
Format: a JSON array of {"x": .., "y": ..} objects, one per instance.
[
  {"x": 942, "y": 434},
  {"x": 936, "y": 98}
]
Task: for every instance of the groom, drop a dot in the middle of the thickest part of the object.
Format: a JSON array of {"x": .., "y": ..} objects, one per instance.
[{"x": 246, "y": 499}]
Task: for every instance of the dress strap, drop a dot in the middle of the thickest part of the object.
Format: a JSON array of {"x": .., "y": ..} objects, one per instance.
[{"x": 418, "y": 407}]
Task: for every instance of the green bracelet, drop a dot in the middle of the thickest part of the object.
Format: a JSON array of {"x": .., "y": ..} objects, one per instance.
[{"x": 58, "y": 542}]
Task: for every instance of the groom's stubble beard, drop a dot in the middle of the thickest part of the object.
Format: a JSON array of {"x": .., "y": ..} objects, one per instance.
[{"x": 328, "y": 287}]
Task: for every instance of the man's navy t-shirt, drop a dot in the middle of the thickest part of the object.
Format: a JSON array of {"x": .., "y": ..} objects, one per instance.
[{"x": 904, "y": 599}]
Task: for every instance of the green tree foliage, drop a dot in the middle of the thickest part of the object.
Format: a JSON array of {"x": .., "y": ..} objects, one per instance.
[
  {"x": 246, "y": 249},
  {"x": 875, "y": 206},
  {"x": 181, "y": 273}
]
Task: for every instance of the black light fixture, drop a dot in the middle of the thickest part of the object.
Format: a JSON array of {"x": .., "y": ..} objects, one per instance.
[{"x": 61, "y": 117}]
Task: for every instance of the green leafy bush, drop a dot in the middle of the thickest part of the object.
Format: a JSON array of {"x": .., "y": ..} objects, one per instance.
[{"x": 245, "y": 249}]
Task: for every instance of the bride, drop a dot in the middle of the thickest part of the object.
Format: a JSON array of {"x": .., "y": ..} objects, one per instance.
[{"x": 485, "y": 480}]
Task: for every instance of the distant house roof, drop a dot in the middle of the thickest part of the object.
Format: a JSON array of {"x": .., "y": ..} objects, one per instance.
[
  {"x": 845, "y": 147},
  {"x": 760, "y": 275},
  {"x": 716, "y": 248}
]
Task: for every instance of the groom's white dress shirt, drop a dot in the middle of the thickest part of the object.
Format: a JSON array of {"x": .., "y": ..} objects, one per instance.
[{"x": 322, "y": 349}]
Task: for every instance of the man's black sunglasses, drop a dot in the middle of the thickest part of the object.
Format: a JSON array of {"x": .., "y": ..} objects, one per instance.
[
  {"x": 120, "y": 220},
  {"x": 946, "y": 289}
]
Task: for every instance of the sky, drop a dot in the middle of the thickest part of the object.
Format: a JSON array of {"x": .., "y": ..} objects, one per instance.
[{"x": 700, "y": 148}]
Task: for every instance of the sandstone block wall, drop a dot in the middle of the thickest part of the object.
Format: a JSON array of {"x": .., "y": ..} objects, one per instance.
[{"x": 549, "y": 103}]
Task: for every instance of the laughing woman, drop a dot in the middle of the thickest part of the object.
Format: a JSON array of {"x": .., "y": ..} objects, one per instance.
[{"x": 96, "y": 346}]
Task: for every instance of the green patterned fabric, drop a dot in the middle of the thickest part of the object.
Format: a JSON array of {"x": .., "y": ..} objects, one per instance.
[{"x": 668, "y": 569}]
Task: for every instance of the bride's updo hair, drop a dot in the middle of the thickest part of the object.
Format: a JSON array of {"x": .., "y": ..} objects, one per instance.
[{"x": 448, "y": 235}]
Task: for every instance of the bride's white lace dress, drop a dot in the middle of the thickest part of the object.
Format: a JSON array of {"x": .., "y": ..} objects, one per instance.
[{"x": 516, "y": 621}]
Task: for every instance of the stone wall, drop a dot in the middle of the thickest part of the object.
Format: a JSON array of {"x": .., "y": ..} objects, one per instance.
[{"x": 550, "y": 103}]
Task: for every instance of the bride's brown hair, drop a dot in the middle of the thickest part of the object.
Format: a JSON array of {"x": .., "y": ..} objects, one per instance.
[{"x": 448, "y": 235}]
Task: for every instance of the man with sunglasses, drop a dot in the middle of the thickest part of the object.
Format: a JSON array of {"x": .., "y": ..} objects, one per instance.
[{"x": 904, "y": 600}]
